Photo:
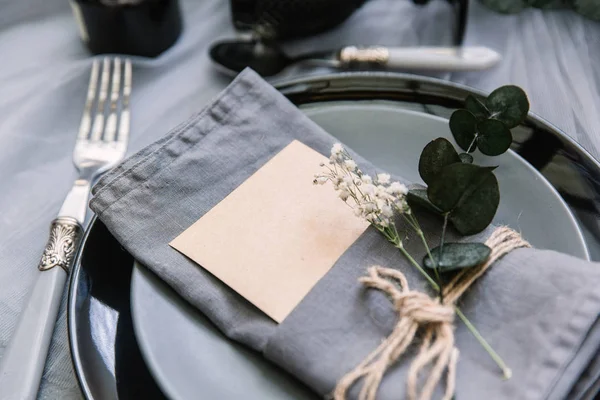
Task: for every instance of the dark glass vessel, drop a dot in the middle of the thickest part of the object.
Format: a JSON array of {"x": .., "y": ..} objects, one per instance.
[{"x": 136, "y": 27}]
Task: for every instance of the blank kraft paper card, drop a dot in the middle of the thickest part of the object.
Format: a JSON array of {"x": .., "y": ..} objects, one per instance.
[{"x": 276, "y": 235}]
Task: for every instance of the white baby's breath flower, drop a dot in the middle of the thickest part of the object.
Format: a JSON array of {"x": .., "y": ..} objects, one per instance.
[
  {"x": 371, "y": 217},
  {"x": 402, "y": 206},
  {"x": 350, "y": 164},
  {"x": 383, "y": 179},
  {"x": 381, "y": 192},
  {"x": 374, "y": 200},
  {"x": 380, "y": 203},
  {"x": 337, "y": 180},
  {"x": 320, "y": 180},
  {"x": 396, "y": 188},
  {"x": 387, "y": 211},
  {"x": 337, "y": 149},
  {"x": 368, "y": 189}
]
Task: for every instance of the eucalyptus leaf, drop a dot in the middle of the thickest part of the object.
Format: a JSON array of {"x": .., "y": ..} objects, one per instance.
[
  {"x": 508, "y": 104},
  {"x": 436, "y": 155},
  {"x": 463, "y": 126},
  {"x": 494, "y": 137},
  {"x": 418, "y": 197},
  {"x": 466, "y": 158},
  {"x": 446, "y": 190},
  {"x": 476, "y": 107},
  {"x": 457, "y": 256},
  {"x": 478, "y": 206},
  {"x": 469, "y": 193}
]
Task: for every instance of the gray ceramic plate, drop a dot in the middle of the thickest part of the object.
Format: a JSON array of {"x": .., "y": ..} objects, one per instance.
[{"x": 189, "y": 357}]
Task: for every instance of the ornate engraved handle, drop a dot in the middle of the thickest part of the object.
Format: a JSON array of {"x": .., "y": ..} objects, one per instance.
[
  {"x": 422, "y": 57},
  {"x": 65, "y": 235},
  {"x": 371, "y": 55},
  {"x": 23, "y": 361}
]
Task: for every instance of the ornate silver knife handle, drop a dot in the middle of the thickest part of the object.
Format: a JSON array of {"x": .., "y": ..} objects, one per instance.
[
  {"x": 421, "y": 58},
  {"x": 372, "y": 55},
  {"x": 65, "y": 235}
]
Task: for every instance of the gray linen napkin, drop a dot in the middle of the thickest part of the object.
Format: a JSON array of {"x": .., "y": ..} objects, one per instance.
[{"x": 538, "y": 309}]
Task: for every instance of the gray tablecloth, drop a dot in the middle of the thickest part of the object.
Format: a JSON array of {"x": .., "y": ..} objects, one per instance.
[{"x": 44, "y": 71}]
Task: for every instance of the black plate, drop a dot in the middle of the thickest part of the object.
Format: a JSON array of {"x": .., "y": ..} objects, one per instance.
[
  {"x": 106, "y": 355},
  {"x": 107, "y": 358}
]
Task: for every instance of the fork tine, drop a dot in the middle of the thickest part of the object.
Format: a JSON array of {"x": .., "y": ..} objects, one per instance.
[
  {"x": 98, "y": 126},
  {"x": 111, "y": 122},
  {"x": 125, "y": 114},
  {"x": 86, "y": 118}
]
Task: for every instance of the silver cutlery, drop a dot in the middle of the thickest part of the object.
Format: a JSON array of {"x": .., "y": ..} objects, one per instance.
[
  {"x": 101, "y": 144},
  {"x": 268, "y": 60}
]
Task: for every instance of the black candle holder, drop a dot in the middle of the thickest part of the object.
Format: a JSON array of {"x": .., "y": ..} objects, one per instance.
[
  {"x": 136, "y": 27},
  {"x": 286, "y": 19}
]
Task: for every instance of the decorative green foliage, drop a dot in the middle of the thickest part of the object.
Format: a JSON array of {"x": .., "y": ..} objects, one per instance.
[
  {"x": 494, "y": 137},
  {"x": 457, "y": 256},
  {"x": 508, "y": 104},
  {"x": 487, "y": 125},
  {"x": 468, "y": 193},
  {"x": 466, "y": 158},
  {"x": 478, "y": 205},
  {"x": 465, "y": 194},
  {"x": 449, "y": 186},
  {"x": 463, "y": 126},
  {"x": 436, "y": 155},
  {"x": 477, "y": 108},
  {"x": 418, "y": 197}
]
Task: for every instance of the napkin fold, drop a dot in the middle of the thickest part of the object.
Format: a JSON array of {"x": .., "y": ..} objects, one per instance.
[{"x": 538, "y": 308}]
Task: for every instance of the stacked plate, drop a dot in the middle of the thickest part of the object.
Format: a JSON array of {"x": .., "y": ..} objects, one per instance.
[{"x": 133, "y": 337}]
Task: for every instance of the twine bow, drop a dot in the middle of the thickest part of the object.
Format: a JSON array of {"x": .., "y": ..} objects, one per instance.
[{"x": 419, "y": 312}]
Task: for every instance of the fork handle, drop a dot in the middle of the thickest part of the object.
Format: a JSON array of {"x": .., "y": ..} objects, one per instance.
[{"x": 23, "y": 362}]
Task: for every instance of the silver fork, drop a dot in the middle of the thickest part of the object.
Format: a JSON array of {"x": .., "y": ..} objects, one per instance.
[{"x": 101, "y": 144}]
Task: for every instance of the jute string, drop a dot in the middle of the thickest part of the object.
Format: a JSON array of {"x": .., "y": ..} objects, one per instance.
[{"x": 419, "y": 313}]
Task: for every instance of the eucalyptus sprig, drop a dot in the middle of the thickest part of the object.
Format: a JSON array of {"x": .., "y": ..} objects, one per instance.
[
  {"x": 486, "y": 126},
  {"x": 464, "y": 194}
]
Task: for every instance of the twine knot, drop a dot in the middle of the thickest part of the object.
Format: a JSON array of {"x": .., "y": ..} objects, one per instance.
[
  {"x": 418, "y": 312},
  {"x": 423, "y": 309}
]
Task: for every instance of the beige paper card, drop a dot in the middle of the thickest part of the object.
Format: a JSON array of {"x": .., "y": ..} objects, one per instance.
[{"x": 276, "y": 235}]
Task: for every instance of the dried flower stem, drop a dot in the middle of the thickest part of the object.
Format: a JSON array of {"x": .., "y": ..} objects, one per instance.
[
  {"x": 414, "y": 223},
  {"x": 506, "y": 371}
]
